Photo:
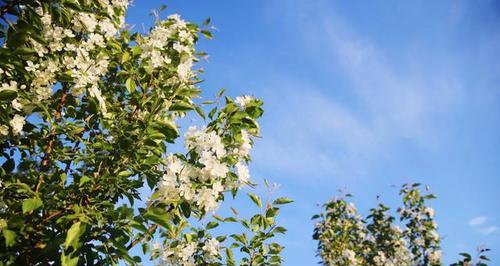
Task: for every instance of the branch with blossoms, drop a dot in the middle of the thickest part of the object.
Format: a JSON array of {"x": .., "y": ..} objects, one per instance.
[
  {"x": 88, "y": 114},
  {"x": 345, "y": 238}
]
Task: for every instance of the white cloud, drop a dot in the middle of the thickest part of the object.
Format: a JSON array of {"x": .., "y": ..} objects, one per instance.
[
  {"x": 319, "y": 133},
  {"x": 477, "y": 221},
  {"x": 479, "y": 224},
  {"x": 488, "y": 230}
]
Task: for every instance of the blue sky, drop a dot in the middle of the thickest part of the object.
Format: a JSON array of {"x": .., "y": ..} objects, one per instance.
[{"x": 364, "y": 96}]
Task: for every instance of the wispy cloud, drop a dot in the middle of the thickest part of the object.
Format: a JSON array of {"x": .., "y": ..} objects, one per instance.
[
  {"x": 479, "y": 224},
  {"x": 488, "y": 230},
  {"x": 387, "y": 102},
  {"x": 477, "y": 221}
]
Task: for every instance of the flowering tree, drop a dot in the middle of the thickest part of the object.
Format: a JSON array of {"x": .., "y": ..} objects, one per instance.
[
  {"x": 88, "y": 113},
  {"x": 345, "y": 238}
]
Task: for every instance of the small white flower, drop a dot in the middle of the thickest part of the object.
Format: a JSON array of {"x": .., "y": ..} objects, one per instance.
[
  {"x": 12, "y": 85},
  {"x": 184, "y": 70},
  {"x": 435, "y": 256},
  {"x": 243, "y": 100},
  {"x": 174, "y": 164},
  {"x": 429, "y": 211},
  {"x": 212, "y": 247},
  {"x": 17, "y": 105},
  {"x": 17, "y": 124},
  {"x": 31, "y": 67},
  {"x": 4, "y": 130},
  {"x": 97, "y": 39},
  {"x": 95, "y": 92},
  {"x": 108, "y": 28},
  {"x": 89, "y": 21},
  {"x": 242, "y": 172},
  {"x": 349, "y": 256},
  {"x": 246, "y": 144},
  {"x": 187, "y": 251}
]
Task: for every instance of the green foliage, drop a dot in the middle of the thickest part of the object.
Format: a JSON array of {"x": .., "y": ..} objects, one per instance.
[
  {"x": 88, "y": 111},
  {"x": 467, "y": 259},
  {"x": 345, "y": 238}
]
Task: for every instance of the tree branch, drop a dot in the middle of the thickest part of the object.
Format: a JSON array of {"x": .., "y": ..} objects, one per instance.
[
  {"x": 52, "y": 137},
  {"x": 151, "y": 230}
]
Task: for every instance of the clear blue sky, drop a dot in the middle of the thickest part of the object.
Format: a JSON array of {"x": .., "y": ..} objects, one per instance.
[{"x": 364, "y": 95}]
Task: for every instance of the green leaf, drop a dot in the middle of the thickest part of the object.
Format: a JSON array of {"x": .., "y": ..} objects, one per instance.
[
  {"x": 168, "y": 129},
  {"x": 280, "y": 230},
  {"x": 31, "y": 204},
  {"x": 158, "y": 215},
  {"x": 207, "y": 34},
  {"x": 206, "y": 22},
  {"x": 7, "y": 95},
  {"x": 221, "y": 91},
  {"x": 279, "y": 201},
  {"x": 136, "y": 50},
  {"x": 125, "y": 173},
  {"x": 130, "y": 84},
  {"x": 212, "y": 112},
  {"x": 69, "y": 260},
  {"x": 186, "y": 209},
  {"x": 211, "y": 225},
  {"x": 230, "y": 257},
  {"x": 24, "y": 51},
  {"x": 10, "y": 237},
  {"x": 125, "y": 57},
  {"x": 272, "y": 212},
  {"x": 181, "y": 106},
  {"x": 200, "y": 112},
  {"x": 231, "y": 219},
  {"x": 84, "y": 179},
  {"x": 73, "y": 235},
  {"x": 255, "y": 199}
]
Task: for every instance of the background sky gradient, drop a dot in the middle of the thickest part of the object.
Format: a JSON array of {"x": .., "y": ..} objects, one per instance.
[{"x": 365, "y": 96}]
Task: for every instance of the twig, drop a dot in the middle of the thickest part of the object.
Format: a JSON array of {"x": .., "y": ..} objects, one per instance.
[
  {"x": 151, "y": 230},
  {"x": 48, "y": 150}
]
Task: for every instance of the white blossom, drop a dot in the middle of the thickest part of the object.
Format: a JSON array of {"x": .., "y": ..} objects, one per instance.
[
  {"x": 243, "y": 100},
  {"x": 242, "y": 172},
  {"x": 207, "y": 199},
  {"x": 349, "y": 256},
  {"x": 4, "y": 130},
  {"x": 17, "y": 105},
  {"x": 187, "y": 251},
  {"x": 435, "y": 256},
  {"x": 17, "y": 124},
  {"x": 12, "y": 85},
  {"x": 246, "y": 144},
  {"x": 429, "y": 211},
  {"x": 212, "y": 247}
]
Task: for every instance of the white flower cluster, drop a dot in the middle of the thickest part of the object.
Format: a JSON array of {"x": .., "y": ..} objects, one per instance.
[
  {"x": 203, "y": 183},
  {"x": 18, "y": 121},
  {"x": 398, "y": 245},
  {"x": 171, "y": 35},
  {"x": 421, "y": 230},
  {"x": 212, "y": 247},
  {"x": 80, "y": 56},
  {"x": 183, "y": 253},
  {"x": 348, "y": 258},
  {"x": 340, "y": 233},
  {"x": 243, "y": 100}
]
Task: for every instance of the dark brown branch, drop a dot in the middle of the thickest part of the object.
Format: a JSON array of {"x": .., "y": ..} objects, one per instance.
[
  {"x": 151, "y": 230},
  {"x": 52, "y": 137}
]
